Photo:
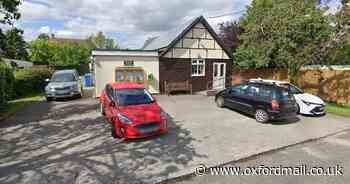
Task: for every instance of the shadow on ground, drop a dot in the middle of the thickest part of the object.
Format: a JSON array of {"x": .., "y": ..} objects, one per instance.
[
  {"x": 68, "y": 142},
  {"x": 272, "y": 122}
]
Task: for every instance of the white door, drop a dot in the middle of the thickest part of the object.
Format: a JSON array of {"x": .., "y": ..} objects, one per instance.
[{"x": 219, "y": 73}]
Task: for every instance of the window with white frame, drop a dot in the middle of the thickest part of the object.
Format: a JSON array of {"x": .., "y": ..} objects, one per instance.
[{"x": 198, "y": 67}]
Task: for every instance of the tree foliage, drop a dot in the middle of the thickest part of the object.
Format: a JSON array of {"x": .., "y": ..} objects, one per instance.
[
  {"x": 279, "y": 33},
  {"x": 13, "y": 45},
  {"x": 228, "y": 32},
  {"x": 9, "y": 11},
  {"x": 101, "y": 41},
  {"x": 43, "y": 51}
]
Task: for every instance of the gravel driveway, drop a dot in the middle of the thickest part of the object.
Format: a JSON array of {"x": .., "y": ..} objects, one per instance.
[{"x": 69, "y": 142}]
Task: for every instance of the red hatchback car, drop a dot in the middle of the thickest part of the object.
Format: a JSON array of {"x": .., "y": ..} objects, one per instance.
[{"x": 132, "y": 111}]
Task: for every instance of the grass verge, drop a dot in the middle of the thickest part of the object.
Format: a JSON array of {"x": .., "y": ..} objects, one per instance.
[
  {"x": 15, "y": 105},
  {"x": 341, "y": 110}
]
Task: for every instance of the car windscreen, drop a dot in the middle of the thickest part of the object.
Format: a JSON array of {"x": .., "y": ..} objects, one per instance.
[
  {"x": 133, "y": 96},
  {"x": 62, "y": 77}
]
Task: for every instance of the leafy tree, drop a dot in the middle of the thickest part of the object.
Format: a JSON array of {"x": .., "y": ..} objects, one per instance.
[
  {"x": 14, "y": 45},
  {"x": 68, "y": 54},
  {"x": 340, "y": 54},
  {"x": 2, "y": 42},
  {"x": 8, "y": 14},
  {"x": 40, "y": 52},
  {"x": 44, "y": 36},
  {"x": 228, "y": 32},
  {"x": 102, "y": 42},
  {"x": 279, "y": 33},
  {"x": 9, "y": 11},
  {"x": 56, "y": 54}
]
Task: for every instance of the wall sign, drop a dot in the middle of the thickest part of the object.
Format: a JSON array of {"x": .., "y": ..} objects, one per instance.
[{"x": 128, "y": 62}]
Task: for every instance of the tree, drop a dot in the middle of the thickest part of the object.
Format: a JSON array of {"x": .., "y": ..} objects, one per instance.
[
  {"x": 68, "y": 55},
  {"x": 40, "y": 52},
  {"x": 43, "y": 51},
  {"x": 9, "y": 11},
  {"x": 100, "y": 41},
  {"x": 14, "y": 45},
  {"x": 286, "y": 34},
  {"x": 228, "y": 32},
  {"x": 44, "y": 36},
  {"x": 8, "y": 14}
]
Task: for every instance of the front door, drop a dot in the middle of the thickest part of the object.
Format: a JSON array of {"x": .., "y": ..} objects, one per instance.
[{"x": 219, "y": 73}]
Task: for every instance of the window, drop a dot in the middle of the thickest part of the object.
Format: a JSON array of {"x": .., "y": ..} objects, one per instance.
[
  {"x": 133, "y": 96},
  {"x": 198, "y": 67},
  {"x": 239, "y": 89},
  {"x": 252, "y": 91}
]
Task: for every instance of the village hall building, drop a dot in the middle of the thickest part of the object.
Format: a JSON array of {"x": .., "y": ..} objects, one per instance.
[{"x": 191, "y": 52}]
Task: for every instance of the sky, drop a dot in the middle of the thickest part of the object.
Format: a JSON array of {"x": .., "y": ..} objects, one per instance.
[{"x": 129, "y": 22}]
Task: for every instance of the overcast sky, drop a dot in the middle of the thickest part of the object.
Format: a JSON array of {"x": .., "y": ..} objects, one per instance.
[{"x": 130, "y": 22}]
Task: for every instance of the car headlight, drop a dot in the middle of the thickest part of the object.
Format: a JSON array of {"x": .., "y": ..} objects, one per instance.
[
  {"x": 310, "y": 103},
  {"x": 305, "y": 102},
  {"x": 124, "y": 119}
]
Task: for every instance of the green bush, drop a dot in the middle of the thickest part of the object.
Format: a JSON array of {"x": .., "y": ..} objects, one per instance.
[
  {"x": 30, "y": 80},
  {"x": 6, "y": 84}
]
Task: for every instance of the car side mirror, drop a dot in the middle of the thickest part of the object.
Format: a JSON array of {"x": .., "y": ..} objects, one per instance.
[
  {"x": 47, "y": 80},
  {"x": 112, "y": 104}
]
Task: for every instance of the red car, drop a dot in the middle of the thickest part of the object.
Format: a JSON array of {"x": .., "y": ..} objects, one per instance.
[{"x": 132, "y": 111}]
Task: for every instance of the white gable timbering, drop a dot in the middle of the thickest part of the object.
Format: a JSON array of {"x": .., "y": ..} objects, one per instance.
[{"x": 197, "y": 43}]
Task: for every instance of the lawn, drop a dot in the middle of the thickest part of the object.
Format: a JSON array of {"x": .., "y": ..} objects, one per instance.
[
  {"x": 15, "y": 105},
  {"x": 338, "y": 109}
]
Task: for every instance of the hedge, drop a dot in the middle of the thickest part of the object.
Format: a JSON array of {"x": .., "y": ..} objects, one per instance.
[
  {"x": 6, "y": 84},
  {"x": 30, "y": 80}
]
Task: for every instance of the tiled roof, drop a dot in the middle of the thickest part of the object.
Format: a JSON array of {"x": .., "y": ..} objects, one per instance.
[{"x": 166, "y": 38}]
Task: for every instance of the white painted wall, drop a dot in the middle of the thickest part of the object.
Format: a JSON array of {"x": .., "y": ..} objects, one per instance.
[{"x": 105, "y": 67}]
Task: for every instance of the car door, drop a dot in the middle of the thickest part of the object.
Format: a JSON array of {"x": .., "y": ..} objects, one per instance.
[
  {"x": 248, "y": 98},
  {"x": 255, "y": 96},
  {"x": 235, "y": 97}
]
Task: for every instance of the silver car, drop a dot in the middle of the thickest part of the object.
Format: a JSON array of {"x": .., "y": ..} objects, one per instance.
[{"x": 63, "y": 84}]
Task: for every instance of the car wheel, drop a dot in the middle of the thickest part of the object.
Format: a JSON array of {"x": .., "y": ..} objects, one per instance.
[
  {"x": 114, "y": 133},
  {"x": 49, "y": 99},
  {"x": 102, "y": 110},
  {"x": 261, "y": 116},
  {"x": 220, "y": 102},
  {"x": 298, "y": 109}
]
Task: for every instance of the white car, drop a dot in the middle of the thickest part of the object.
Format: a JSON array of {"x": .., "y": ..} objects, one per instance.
[{"x": 308, "y": 104}]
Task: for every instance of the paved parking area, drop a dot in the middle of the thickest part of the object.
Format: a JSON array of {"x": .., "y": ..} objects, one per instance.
[{"x": 69, "y": 142}]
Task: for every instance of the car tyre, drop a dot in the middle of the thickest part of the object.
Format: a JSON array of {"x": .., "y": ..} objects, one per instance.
[
  {"x": 220, "y": 102},
  {"x": 49, "y": 99},
  {"x": 298, "y": 109},
  {"x": 114, "y": 133},
  {"x": 261, "y": 116}
]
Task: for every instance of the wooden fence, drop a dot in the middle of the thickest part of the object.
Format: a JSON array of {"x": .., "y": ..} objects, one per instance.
[{"x": 330, "y": 83}]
